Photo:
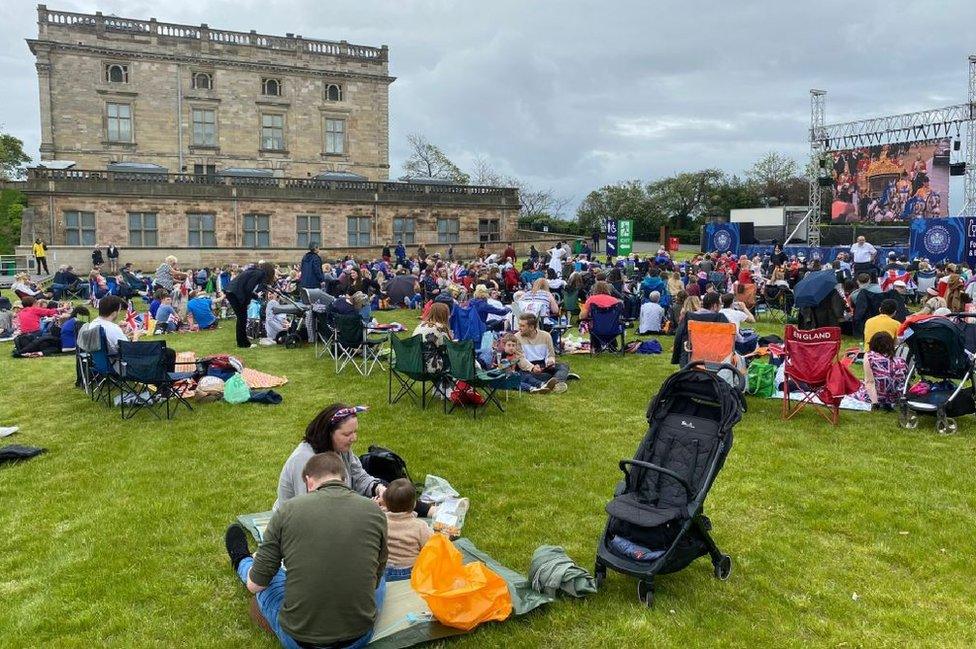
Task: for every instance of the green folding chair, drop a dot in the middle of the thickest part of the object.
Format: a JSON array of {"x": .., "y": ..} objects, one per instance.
[
  {"x": 409, "y": 367},
  {"x": 462, "y": 367}
]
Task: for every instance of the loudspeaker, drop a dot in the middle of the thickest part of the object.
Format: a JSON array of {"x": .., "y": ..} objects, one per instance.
[
  {"x": 747, "y": 233},
  {"x": 957, "y": 169}
]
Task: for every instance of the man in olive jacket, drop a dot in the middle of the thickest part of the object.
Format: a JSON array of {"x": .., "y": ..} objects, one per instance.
[{"x": 333, "y": 544}]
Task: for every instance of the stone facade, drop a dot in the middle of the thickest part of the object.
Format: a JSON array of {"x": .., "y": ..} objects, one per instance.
[
  {"x": 124, "y": 90},
  {"x": 56, "y": 198}
]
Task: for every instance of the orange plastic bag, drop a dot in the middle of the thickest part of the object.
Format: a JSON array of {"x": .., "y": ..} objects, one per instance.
[{"x": 459, "y": 596}]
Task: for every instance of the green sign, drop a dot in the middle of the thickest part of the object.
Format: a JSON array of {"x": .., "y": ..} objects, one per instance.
[{"x": 625, "y": 237}]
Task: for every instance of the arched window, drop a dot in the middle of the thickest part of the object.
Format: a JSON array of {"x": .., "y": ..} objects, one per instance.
[
  {"x": 271, "y": 87},
  {"x": 116, "y": 73},
  {"x": 333, "y": 92},
  {"x": 202, "y": 81}
]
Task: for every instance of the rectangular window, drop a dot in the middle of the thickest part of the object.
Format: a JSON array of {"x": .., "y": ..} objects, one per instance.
[
  {"x": 201, "y": 231},
  {"x": 273, "y": 132},
  {"x": 488, "y": 230},
  {"x": 256, "y": 231},
  {"x": 335, "y": 136},
  {"x": 358, "y": 230},
  {"x": 403, "y": 229},
  {"x": 79, "y": 228},
  {"x": 448, "y": 230},
  {"x": 204, "y": 170},
  {"x": 142, "y": 230},
  {"x": 309, "y": 231},
  {"x": 204, "y": 127},
  {"x": 118, "y": 118}
]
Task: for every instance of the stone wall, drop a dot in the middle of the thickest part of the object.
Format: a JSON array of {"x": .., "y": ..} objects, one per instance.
[{"x": 72, "y": 56}]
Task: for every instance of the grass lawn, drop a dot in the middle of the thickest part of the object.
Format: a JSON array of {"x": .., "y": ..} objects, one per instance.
[{"x": 855, "y": 536}]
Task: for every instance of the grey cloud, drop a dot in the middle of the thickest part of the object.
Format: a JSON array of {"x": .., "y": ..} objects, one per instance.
[{"x": 575, "y": 94}]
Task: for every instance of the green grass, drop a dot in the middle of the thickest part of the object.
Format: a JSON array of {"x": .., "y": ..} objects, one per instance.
[{"x": 114, "y": 537}]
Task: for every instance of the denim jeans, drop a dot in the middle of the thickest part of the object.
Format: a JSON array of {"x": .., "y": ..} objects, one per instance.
[
  {"x": 398, "y": 574},
  {"x": 271, "y": 598},
  {"x": 559, "y": 371}
]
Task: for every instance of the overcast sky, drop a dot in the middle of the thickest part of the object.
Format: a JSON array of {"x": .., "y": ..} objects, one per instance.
[{"x": 572, "y": 95}]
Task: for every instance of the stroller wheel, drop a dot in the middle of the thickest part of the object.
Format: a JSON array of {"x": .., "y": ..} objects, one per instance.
[
  {"x": 946, "y": 426},
  {"x": 723, "y": 567},
  {"x": 600, "y": 573},
  {"x": 908, "y": 419},
  {"x": 291, "y": 341},
  {"x": 645, "y": 593}
]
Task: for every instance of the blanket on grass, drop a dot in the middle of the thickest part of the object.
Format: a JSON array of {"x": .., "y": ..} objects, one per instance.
[{"x": 405, "y": 619}]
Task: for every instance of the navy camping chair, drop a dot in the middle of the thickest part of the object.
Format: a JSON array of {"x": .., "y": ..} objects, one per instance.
[
  {"x": 145, "y": 382},
  {"x": 606, "y": 327}
]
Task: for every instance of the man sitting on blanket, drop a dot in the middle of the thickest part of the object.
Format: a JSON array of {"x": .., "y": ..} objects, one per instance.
[{"x": 333, "y": 590}]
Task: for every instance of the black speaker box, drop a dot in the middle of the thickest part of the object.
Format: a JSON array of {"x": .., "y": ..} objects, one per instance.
[{"x": 747, "y": 233}]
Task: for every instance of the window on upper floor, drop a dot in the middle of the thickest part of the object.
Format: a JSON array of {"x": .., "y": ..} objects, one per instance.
[
  {"x": 271, "y": 87},
  {"x": 272, "y": 132},
  {"x": 116, "y": 73},
  {"x": 333, "y": 92},
  {"x": 118, "y": 122},
  {"x": 335, "y": 136},
  {"x": 202, "y": 81},
  {"x": 204, "y": 127}
]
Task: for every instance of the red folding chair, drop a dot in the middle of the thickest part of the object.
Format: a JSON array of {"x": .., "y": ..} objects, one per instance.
[{"x": 809, "y": 356}]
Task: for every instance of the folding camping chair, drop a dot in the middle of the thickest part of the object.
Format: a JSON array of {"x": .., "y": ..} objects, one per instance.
[
  {"x": 409, "y": 366},
  {"x": 606, "y": 326},
  {"x": 806, "y": 366},
  {"x": 144, "y": 382},
  {"x": 712, "y": 345},
  {"x": 462, "y": 367},
  {"x": 352, "y": 344},
  {"x": 98, "y": 375}
]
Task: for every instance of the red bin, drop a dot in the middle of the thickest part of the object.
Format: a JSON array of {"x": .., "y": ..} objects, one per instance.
[{"x": 672, "y": 243}]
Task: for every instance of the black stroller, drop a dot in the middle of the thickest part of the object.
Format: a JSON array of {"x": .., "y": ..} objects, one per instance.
[
  {"x": 656, "y": 523},
  {"x": 937, "y": 352}
]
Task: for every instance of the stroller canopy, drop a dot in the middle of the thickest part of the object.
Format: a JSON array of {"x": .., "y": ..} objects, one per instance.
[{"x": 691, "y": 383}]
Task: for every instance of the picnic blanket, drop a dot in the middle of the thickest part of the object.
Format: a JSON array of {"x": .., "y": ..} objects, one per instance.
[
  {"x": 405, "y": 619},
  {"x": 256, "y": 380}
]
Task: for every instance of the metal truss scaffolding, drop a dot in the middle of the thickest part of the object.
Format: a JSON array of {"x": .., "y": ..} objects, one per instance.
[{"x": 925, "y": 124}]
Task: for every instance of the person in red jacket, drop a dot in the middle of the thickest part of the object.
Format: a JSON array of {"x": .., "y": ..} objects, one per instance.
[
  {"x": 510, "y": 253},
  {"x": 29, "y": 318}
]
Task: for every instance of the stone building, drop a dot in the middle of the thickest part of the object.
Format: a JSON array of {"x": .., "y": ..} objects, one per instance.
[
  {"x": 194, "y": 99},
  {"x": 222, "y": 146}
]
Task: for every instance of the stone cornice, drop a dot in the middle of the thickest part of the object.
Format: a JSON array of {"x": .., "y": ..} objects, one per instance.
[{"x": 38, "y": 45}]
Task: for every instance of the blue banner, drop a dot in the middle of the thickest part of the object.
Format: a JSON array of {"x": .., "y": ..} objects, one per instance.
[
  {"x": 722, "y": 238},
  {"x": 952, "y": 239}
]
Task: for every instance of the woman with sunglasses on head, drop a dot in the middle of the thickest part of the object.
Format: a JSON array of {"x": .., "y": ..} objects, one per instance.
[{"x": 334, "y": 429}]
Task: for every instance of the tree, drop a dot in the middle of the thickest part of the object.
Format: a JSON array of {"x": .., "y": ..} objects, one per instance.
[
  {"x": 532, "y": 202},
  {"x": 12, "y": 157},
  {"x": 776, "y": 180},
  {"x": 12, "y": 203},
  {"x": 685, "y": 197},
  {"x": 624, "y": 200},
  {"x": 428, "y": 161}
]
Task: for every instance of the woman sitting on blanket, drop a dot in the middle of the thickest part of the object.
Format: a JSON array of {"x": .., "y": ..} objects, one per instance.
[{"x": 334, "y": 429}]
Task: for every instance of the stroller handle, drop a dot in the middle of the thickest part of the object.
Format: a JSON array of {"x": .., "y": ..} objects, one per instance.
[
  {"x": 718, "y": 367},
  {"x": 660, "y": 469}
]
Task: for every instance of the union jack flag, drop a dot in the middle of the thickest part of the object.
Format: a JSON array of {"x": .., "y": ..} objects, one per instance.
[{"x": 133, "y": 319}]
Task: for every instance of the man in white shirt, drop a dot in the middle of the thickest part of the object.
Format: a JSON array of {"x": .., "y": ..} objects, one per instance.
[
  {"x": 735, "y": 312},
  {"x": 863, "y": 254},
  {"x": 651, "y": 315},
  {"x": 109, "y": 308}
]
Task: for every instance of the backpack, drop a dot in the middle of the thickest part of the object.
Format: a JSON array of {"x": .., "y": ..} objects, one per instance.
[{"x": 384, "y": 464}]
